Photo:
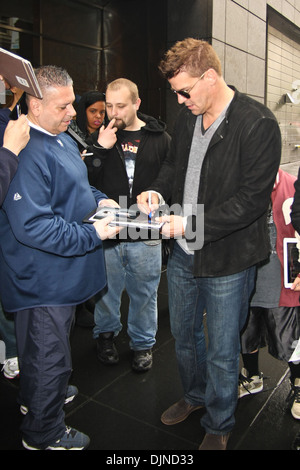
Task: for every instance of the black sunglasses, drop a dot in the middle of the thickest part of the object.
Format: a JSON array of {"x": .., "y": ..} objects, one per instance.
[{"x": 186, "y": 93}]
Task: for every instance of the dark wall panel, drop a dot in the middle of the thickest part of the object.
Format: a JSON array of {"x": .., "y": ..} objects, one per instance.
[
  {"x": 96, "y": 41},
  {"x": 100, "y": 40},
  {"x": 189, "y": 18},
  {"x": 135, "y": 38}
]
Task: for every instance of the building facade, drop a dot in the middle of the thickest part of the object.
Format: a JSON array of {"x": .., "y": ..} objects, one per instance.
[{"x": 258, "y": 42}]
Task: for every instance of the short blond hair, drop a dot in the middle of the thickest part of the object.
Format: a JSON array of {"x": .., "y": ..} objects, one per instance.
[{"x": 124, "y": 82}]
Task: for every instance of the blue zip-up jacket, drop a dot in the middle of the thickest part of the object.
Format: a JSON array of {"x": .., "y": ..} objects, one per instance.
[{"x": 48, "y": 257}]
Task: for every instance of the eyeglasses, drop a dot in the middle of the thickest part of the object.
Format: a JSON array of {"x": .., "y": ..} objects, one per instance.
[{"x": 186, "y": 93}]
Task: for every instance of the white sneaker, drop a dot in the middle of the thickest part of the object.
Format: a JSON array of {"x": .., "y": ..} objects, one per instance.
[
  {"x": 249, "y": 385},
  {"x": 11, "y": 368},
  {"x": 296, "y": 404}
]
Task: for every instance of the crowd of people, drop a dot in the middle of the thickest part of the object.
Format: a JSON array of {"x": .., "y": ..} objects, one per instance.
[{"x": 218, "y": 172}]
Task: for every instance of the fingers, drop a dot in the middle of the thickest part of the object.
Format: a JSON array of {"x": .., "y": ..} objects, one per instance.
[
  {"x": 108, "y": 203},
  {"x": 16, "y": 135},
  {"x": 111, "y": 124},
  {"x": 20, "y": 122},
  {"x": 166, "y": 219},
  {"x": 145, "y": 205},
  {"x": 104, "y": 230},
  {"x": 109, "y": 127},
  {"x": 23, "y": 125},
  {"x": 173, "y": 226},
  {"x": 107, "y": 135},
  {"x": 296, "y": 284}
]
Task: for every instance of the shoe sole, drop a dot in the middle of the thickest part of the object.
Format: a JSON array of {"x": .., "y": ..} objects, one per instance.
[
  {"x": 294, "y": 415},
  {"x": 28, "y": 447},
  {"x": 141, "y": 369},
  {"x": 11, "y": 377}
]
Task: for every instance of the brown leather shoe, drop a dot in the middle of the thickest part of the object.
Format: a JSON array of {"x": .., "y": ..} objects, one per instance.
[
  {"x": 214, "y": 442},
  {"x": 178, "y": 412}
]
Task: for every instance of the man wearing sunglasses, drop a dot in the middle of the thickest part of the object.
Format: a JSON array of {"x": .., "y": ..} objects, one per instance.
[{"x": 224, "y": 156}]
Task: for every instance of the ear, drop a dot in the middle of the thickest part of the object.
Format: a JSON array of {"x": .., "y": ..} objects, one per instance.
[
  {"x": 212, "y": 76},
  {"x": 35, "y": 105},
  {"x": 138, "y": 104}
]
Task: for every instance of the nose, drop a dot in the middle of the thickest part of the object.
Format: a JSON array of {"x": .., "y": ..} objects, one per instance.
[
  {"x": 71, "y": 111},
  {"x": 114, "y": 111},
  {"x": 181, "y": 99}
]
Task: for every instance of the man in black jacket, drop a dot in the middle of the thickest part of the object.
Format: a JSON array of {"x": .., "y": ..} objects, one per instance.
[
  {"x": 127, "y": 157},
  {"x": 224, "y": 157}
]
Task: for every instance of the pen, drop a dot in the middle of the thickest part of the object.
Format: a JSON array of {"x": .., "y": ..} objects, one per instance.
[
  {"x": 87, "y": 154},
  {"x": 149, "y": 203}
]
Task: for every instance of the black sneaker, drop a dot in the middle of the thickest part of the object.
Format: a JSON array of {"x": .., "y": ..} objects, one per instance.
[
  {"x": 71, "y": 440},
  {"x": 142, "y": 360},
  {"x": 106, "y": 349}
]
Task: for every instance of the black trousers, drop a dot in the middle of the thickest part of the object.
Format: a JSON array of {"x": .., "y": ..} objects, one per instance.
[
  {"x": 277, "y": 327},
  {"x": 45, "y": 367}
]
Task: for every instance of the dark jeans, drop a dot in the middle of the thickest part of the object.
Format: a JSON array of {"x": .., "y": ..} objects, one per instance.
[{"x": 45, "y": 367}]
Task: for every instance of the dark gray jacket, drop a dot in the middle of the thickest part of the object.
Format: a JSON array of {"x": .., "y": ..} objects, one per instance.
[{"x": 236, "y": 182}]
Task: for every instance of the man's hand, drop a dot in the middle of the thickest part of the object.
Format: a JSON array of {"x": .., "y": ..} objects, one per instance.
[
  {"x": 107, "y": 135},
  {"x": 173, "y": 226},
  {"x": 104, "y": 230},
  {"x": 296, "y": 284},
  {"x": 144, "y": 203},
  {"x": 108, "y": 203}
]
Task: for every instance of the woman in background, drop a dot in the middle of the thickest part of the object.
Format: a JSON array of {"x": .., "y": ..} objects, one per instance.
[{"x": 90, "y": 112}]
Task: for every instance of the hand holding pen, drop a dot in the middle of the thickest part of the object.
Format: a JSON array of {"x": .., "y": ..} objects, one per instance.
[{"x": 148, "y": 202}]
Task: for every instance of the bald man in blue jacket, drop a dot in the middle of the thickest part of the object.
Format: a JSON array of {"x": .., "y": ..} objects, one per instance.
[{"x": 46, "y": 255}]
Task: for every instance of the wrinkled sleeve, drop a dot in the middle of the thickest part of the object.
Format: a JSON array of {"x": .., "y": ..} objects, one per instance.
[
  {"x": 8, "y": 167},
  {"x": 33, "y": 222},
  {"x": 259, "y": 163}
]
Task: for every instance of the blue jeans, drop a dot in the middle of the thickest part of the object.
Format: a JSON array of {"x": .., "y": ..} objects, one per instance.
[
  {"x": 136, "y": 268},
  {"x": 209, "y": 373}
]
